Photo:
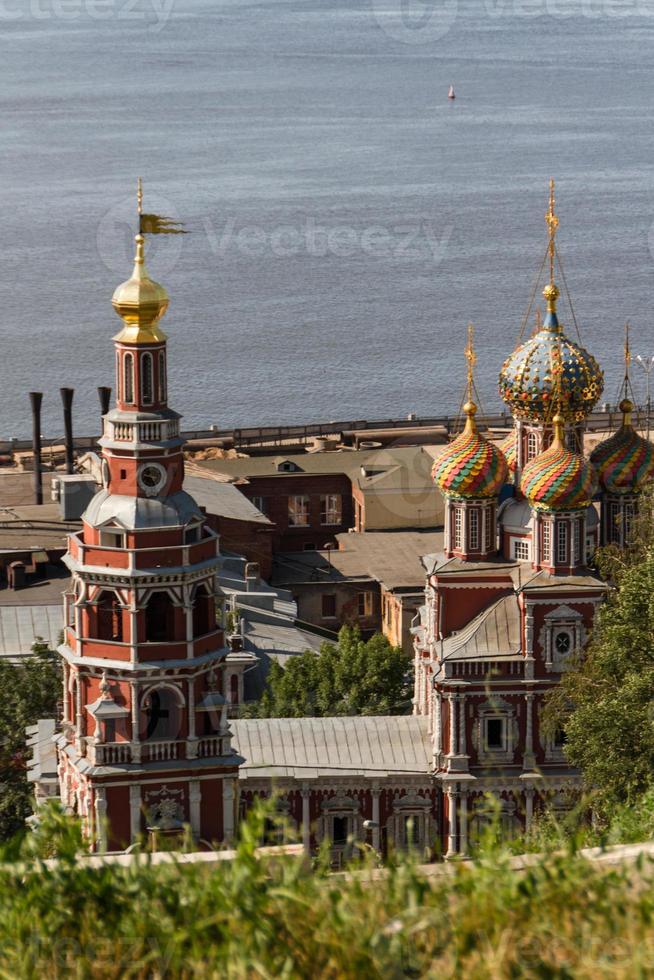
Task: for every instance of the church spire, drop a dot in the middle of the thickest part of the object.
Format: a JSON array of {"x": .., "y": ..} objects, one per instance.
[
  {"x": 551, "y": 291},
  {"x": 470, "y": 407}
]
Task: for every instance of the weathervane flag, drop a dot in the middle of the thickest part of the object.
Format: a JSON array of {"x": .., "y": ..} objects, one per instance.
[{"x": 155, "y": 224}]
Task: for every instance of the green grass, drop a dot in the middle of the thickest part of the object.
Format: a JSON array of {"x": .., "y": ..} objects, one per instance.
[{"x": 283, "y": 918}]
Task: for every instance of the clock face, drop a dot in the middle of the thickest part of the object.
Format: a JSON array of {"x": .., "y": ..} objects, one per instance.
[
  {"x": 152, "y": 477},
  {"x": 562, "y": 642}
]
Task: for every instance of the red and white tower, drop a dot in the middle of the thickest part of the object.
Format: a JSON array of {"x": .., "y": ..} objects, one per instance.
[{"x": 145, "y": 742}]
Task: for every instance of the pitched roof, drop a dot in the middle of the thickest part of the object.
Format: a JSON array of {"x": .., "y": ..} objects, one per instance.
[
  {"x": 223, "y": 499},
  {"x": 493, "y": 634},
  {"x": 306, "y": 748},
  {"x": 20, "y": 625}
]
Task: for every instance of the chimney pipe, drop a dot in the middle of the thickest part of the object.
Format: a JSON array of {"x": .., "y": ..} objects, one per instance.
[
  {"x": 36, "y": 397},
  {"x": 67, "y": 399},
  {"x": 104, "y": 394}
]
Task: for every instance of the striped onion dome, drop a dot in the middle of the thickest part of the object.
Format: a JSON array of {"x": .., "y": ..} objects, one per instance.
[
  {"x": 625, "y": 461},
  {"x": 470, "y": 466},
  {"x": 558, "y": 479},
  {"x": 509, "y": 447},
  {"x": 550, "y": 363}
]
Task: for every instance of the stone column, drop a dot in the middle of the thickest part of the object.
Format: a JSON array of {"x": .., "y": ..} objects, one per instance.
[
  {"x": 463, "y": 823},
  {"x": 529, "y": 642},
  {"x": 453, "y": 727},
  {"x": 529, "y": 807},
  {"x": 306, "y": 818},
  {"x": 101, "y": 819},
  {"x": 133, "y": 633},
  {"x": 529, "y": 759},
  {"x": 134, "y": 812},
  {"x": 79, "y": 738},
  {"x": 192, "y": 742},
  {"x": 135, "y": 715},
  {"x": 67, "y": 707},
  {"x": 228, "y": 808},
  {"x": 376, "y": 836},
  {"x": 438, "y": 728},
  {"x": 451, "y": 822},
  {"x": 195, "y": 798},
  {"x": 462, "y": 725}
]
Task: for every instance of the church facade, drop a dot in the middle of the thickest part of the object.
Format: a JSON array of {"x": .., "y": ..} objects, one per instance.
[{"x": 145, "y": 744}]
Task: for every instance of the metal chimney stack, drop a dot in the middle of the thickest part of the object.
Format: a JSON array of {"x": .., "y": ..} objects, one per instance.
[
  {"x": 36, "y": 397},
  {"x": 67, "y": 399}
]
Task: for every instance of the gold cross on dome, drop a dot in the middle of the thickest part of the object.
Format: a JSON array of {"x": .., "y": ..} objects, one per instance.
[
  {"x": 552, "y": 223},
  {"x": 627, "y": 352},
  {"x": 139, "y": 196},
  {"x": 471, "y": 358}
]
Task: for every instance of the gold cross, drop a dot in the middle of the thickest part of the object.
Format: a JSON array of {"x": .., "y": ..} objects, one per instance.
[
  {"x": 139, "y": 196},
  {"x": 471, "y": 358},
  {"x": 552, "y": 224}
]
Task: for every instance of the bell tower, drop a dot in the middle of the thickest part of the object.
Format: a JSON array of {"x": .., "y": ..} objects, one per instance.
[{"x": 145, "y": 745}]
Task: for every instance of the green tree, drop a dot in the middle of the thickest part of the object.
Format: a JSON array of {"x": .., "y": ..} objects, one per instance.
[
  {"x": 30, "y": 690},
  {"x": 605, "y": 702},
  {"x": 354, "y": 677}
]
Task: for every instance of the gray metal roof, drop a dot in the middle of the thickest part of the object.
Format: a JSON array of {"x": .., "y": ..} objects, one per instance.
[
  {"x": 306, "y": 748},
  {"x": 135, "y": 513},
  {"x": 494, "y": 633},
  {"x": 20, "y": 625},
  {"x": 223, "y": 499}
]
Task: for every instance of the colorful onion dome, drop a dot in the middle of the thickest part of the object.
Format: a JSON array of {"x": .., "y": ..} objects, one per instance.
[
  {"x": 558, "y": 479},
  {"x": 625, "y": 461},
  {"x": 509, "y": 447},
  {"x": 550, "y": 364},
  {"x": 470, "y": 466}
]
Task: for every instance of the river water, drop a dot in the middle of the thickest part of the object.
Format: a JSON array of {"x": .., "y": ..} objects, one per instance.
[{"x": 346, "y": 221}]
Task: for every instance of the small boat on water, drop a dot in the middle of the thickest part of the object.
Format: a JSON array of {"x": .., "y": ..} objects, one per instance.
[{"x": 451, "y": 94}]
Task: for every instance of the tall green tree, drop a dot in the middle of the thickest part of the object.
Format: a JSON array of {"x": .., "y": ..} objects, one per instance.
[
  {"x": 605, "y": 703},
  {"x": 354, "y": 677},
  {"x": 30, "y": 690}
]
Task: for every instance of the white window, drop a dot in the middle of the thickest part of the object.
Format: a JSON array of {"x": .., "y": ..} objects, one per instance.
[
  {"x": 162, "y": 377},
  {"x": 128, "y": 379},
  {"x": 520, "y": 550},
  {"x": 458, "y": 527},
  {"x": 331, "y": 509},
  {"x": 298, "y": 511},
  {"x": 532, "y": 446},
  {"x": 577, "y": 540},
  {"x": 147, "y": 388},
  {"x": 547, "y": 541},
  {"x": 561, "y": 543},
  {"x": 488, "y": 535},
  {"x": 473, "y": 529},
  {"x": 365, "y": 604},
  {"x": 112, "y": 539}
]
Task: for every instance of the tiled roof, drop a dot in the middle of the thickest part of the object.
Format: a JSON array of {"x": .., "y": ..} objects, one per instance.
[{"x": 307, "y": 748}]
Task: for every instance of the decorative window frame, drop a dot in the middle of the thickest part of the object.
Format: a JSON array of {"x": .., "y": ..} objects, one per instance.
[
  {"x": 496, "y": 709},
  {"x": 474, "y": 529},
  {"x": 147, "y": 378},
  {"x": 563, "y": 619},
  {"x": 418, "y": 808},
  {"x": 340, "y": 806},
  {"x": 519, "y": 543}
]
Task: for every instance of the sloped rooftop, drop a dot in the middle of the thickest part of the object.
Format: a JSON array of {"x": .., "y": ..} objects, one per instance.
[
  {"x": 306, "y": 748},
  {"x": 492, "y": 635}
]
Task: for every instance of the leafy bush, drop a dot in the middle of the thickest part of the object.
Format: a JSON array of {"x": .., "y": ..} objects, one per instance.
[{"x": 264, "y": 917}]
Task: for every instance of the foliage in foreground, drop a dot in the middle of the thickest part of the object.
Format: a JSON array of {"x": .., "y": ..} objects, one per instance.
[
  {"x": 606, "y": 700},
  {"x": 356, "y": 677},
  {"x": 30, "y": 691},
  {"x": 281, "y": 918}
]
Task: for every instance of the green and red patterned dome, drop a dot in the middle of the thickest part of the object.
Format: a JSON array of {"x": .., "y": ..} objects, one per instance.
[
  {"x": 470, "y": 467},
  {"x": 550, "y": 366},
  {"x": 558, "y": 479},
  {"x": 625, "y": 461},
  {"x": 509, "y": 446}
]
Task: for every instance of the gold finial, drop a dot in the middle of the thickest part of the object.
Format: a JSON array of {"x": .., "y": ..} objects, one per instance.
[
  {"x": 140, "y": 302},
  {"x": 470, "y": 408},
  {"x": 558, "y": 421},
  {"x": 552, "y": 224},
  {"x": 139, "y": 197},
  {"x": 627, "y": 353},
  {"x": 626, "y": 407}
]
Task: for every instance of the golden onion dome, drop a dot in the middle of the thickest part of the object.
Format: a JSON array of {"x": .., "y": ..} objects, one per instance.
[
  {"x": 548, "y": 367},
  {"x": 558, "y": 479},
  {"x": 470, "y": 467},
  {"x": 625, "y": 461},
  {"x": 141, "y": 302}
]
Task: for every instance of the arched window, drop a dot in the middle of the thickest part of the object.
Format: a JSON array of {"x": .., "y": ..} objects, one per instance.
[
  {"x": 147, "y": 387},
  {"x": 161, "y": 713},
  {"x": 119, "y": 386},
  {"x": 204, "y": 617},
  {"x": 128, "y": 379},
  {"x": 159, "y": 618},
  {"x": 532, "y": 446},
  {"x": 163, "y": 394},
  {"x": 109, "y": 618}
]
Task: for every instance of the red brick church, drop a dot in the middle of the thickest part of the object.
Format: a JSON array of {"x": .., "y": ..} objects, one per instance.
[{"x": 145, "y": 743}]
